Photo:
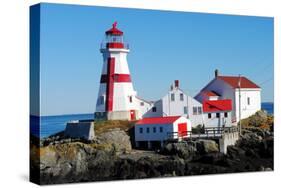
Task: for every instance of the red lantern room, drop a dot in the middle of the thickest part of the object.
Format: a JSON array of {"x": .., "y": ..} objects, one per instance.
[{"x": 114, "y": 38}]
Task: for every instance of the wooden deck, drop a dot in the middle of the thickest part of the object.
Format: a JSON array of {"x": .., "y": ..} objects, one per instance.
[{"x": 209, "y": 133}]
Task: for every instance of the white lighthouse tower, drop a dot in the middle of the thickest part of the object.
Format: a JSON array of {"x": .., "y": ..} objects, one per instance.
[{"x": 116, "y": 97}]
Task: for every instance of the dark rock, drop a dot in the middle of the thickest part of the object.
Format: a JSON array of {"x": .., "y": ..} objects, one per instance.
[
  {"x": 233, "y": 152},
  {"x": 182, "y": 149},
  {"x": 206, "y": 146},
  {"x": 212, "y": 158}
]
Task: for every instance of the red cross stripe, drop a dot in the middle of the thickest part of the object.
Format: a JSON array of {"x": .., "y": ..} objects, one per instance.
[
  {"x": 110, "y": 78},
  {"x": 116, "y": 77}
]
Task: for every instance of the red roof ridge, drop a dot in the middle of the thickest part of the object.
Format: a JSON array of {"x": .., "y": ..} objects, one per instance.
[
  {"x": 234, "y": 80},
  {"x": 158, "y": 120}
]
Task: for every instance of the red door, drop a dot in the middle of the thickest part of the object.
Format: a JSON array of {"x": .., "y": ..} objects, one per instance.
[
  {"x": 133, "y": 114},
  {"x": 182, "y": 129}
]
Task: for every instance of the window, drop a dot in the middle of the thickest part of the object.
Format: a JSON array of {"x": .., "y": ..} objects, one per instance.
[
  {"x": 142, "y": 103},
  {"x": 161, "y": 129},
  {"x": 199, "y": 110},
  {"x": 185, "y": 109},
  {"x": 101, "y": 100},
  {"x": 172, "y": 97},
  {"x": 181, "y": 96},
  {"x": 225, "y": 114},
  {"x": 141, "y": 130},
  {"x": 131, "y": 99},
  {"x": 154, "y": 129},
  {"x": 217, "y": 115},
  {"x": 154, "y": 109},
  {"x": 147, "y": 130},
  {"x": 209, "y": 115},
  {"x": 194, "y": 110},
  {"x": 248, "y": 101}
]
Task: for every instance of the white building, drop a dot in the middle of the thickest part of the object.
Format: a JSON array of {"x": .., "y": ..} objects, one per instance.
[
  {"x": 237, "y": 89},
  {"x": 177, "y": 103},
  {"x": 217, "y": 113},
  {"x": 117, "y": 98},
  {"x": 153, "y": 131},
  {"x": 143, "y": 105}
]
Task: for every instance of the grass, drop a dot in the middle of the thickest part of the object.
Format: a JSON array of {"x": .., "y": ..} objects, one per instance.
[{"x": 102, "y": 126}]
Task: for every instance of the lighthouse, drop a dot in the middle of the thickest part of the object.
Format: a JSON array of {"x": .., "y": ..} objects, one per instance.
[{"x": 117, "y": 97}]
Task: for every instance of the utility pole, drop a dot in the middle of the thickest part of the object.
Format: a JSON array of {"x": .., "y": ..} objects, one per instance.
[{"x": 239, "y": 87}]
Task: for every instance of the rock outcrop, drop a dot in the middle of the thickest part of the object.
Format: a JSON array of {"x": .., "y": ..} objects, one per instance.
[
  {"x": 117, "y": 138},
  {"x": 207, "y": 146},
  {"x": 259, "y": 120},
  {"x": 110, "y": 157},
  {"x": 187, "y": 150},
  {"x": 73, "y": 162}
]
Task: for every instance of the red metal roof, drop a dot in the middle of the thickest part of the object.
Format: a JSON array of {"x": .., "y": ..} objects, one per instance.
[
  {"x": 158, "y": 120},
  {"x": 114, "y": 30},
  {"x": 210, "y": 93},
  {"x": 217, "y": 105},
  {"x": 234, "y": 80}
]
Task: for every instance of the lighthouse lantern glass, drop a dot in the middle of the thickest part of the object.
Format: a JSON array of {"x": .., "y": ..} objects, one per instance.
[{"x": 114, "y": 38}]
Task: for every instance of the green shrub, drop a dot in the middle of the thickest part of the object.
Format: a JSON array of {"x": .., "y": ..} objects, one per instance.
[{"x": 199, "y": 129}]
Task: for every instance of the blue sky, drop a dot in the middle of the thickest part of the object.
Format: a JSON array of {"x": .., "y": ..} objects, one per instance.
[{"x": 165, "y": 46}]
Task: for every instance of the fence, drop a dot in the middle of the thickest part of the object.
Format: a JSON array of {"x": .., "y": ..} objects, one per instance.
[{"x": 207, "y": 133}]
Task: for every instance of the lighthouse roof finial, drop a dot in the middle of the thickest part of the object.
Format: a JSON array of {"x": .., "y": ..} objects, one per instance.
[
  {"x": 114, "y": 30},
  {"x": 114, "y": 24}
]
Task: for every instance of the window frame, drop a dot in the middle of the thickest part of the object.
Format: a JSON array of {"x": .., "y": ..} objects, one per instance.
[
  {"x": 209, "y": 115},
  {"x": 181, "y": 97},
  {"x": 226, "y": 114},
  {"x": 101, "y": 100},
  {"x": 147, "y": 130},
  {"x": 185, "y": 110},
  {"x": 218, "y": 115},
  {"x": 199, "y": 111},
  {"x": 194, "y": 110},
  {"x": 172, "y": 97}
]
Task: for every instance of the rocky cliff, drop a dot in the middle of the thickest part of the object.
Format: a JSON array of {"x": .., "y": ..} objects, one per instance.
[
  {"x": 111, "y": 157},
  {"x": 78, "y": 161}
]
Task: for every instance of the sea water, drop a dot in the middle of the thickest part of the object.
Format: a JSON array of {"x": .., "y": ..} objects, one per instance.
[
  {"x": 268, "y": 106},
  {"x": 54, "y": 124}
]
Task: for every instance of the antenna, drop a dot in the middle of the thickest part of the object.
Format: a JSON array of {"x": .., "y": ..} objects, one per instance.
[
  {"x": 239, "y": 81},
  {"x": 239, "y": 86}
]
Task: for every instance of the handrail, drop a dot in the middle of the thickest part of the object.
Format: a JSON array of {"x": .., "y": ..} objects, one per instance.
[
  {"x": 208, "y": 133},
  {"x": 103, "y": 45}
]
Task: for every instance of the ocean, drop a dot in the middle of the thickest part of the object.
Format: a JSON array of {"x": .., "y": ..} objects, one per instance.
[
  {"x": 268, "y": 106},
  {"x": 54, "y": 124}
]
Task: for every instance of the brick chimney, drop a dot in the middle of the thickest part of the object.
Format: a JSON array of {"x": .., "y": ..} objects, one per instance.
[{"x": 177, "y": 83}]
